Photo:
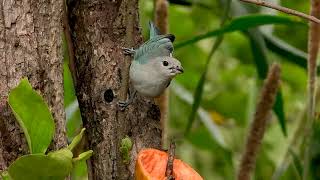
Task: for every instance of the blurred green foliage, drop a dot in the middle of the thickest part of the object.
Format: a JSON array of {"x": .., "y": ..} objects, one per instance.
[{"x": 231, "y": 86}]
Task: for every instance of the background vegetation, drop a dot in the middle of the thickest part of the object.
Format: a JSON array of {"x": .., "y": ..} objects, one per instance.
[{"x": 214, "y": 144}]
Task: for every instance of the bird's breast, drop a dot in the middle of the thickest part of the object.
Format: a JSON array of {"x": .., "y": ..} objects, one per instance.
[{"x": 147, "y": 81}]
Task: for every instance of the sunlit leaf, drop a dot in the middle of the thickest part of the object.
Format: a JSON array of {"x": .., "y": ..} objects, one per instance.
[
  {"x": 33, "y": 116},
  {"x": 260, "y": 59},
  {"x": 242, "y": 23}
]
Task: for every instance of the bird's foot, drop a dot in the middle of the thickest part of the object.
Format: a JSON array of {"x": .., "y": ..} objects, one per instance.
[
  {"x": 123, "y": 104},
  {"x": 128, "y": 51}
]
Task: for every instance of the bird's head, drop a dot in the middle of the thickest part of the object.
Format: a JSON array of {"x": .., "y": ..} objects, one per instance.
[{"x": 169, "y": 66}]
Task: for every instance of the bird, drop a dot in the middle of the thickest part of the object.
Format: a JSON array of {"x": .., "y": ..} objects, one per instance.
[{"x": 153, "y": 66}]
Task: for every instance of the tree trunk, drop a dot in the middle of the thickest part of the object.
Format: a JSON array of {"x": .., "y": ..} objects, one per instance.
[
  {"x": 100, "y": 28},
  {"x": 161, "y": 21},
  {"x": 30, "y": 46}
]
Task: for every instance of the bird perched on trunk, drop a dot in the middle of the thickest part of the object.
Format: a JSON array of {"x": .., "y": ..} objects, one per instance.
[{"x": 153, "y": 66}]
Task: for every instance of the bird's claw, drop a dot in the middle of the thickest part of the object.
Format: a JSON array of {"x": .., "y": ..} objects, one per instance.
[
  {"x": 123, "y": 105},
  {"x": 128, "y": 51}
]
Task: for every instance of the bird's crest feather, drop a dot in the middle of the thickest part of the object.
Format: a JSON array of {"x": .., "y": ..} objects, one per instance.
[{"x": 157, "y": 46}]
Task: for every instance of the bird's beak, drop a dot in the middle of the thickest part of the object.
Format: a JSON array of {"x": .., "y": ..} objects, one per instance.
[{"x": 180, "y": 69}]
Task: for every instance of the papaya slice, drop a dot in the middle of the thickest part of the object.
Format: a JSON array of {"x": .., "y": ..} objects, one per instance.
[{"x": 151, "y": 165}]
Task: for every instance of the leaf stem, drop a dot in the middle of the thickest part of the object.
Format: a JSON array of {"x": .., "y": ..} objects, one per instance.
[
  {"x": 258, "y": 126},
  {"x": 313, "y": 47}
]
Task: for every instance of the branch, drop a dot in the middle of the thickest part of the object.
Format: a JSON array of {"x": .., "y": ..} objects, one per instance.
[
  {"x": 283, "y": 9},
  {"x": 171, "y": 153},
  {"x": 161, "y": 21},
  {"x": 259, "y": 123},
  {"x": 313, "y": 47}
]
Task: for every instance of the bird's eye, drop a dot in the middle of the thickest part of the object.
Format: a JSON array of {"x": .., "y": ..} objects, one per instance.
[{"x": 165, "y": 63}]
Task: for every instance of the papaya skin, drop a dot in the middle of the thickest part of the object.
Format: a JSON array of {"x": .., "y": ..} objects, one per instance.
[{"x": 151, "y": 165}]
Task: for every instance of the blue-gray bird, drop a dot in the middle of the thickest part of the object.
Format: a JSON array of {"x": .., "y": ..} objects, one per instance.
[{"x": 153, "y": 66}]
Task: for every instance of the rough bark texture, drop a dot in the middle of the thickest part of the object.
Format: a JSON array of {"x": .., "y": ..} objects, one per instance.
[
  {"x": 30, "y": 46},
  {"x": 99, "y": 29}
]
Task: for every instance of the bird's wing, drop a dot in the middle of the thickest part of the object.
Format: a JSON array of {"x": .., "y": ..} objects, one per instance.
[{"x": 160, "y": 45}]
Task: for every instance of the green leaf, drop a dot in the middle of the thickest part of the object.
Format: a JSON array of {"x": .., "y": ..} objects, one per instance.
[
  {"x": 288, "y": 52},
  {"x": 259, "y": 54},
  {"x": 33, "y": 115},
  {"x": 76, "y": 140},
  {"x": 79, "y": 171},
  {"x": 285, "y": 50},
  {"x": 40, "y": 167},
  {"x": 279, "y": 111},
  {"x": 296, "y": 162},
  {"x": 199, "y": 90},
  {"x": 196, "y": 102},
  {"x": 83, "y": 156},
  {"x": 204, "y": 116},
  {"x": 243, "y": 23},
  {"x": 5, "y": 175}
]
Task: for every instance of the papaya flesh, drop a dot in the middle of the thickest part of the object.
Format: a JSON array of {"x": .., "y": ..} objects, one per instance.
[{"x": 151, "y": 165}]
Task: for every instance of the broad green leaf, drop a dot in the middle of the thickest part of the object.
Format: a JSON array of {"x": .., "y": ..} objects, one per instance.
[
  {"x": 285, "y": 50},
  {"x": 240, "y": 24},
  {"x": 260, "y": 58},
  {"x": 79, "y": 171},
  {"x": 73, "y": 115},
  {"x": 288, "y": 52},
  {"x": 33, "y": 115},
  {"x": 41, "y": 167}
]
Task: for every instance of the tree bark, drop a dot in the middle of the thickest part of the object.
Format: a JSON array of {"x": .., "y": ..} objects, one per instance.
[
  {"x": 30, "y": 46},
  {"x": 100, "y": 28},
  {"x": 161, "y": 14}
]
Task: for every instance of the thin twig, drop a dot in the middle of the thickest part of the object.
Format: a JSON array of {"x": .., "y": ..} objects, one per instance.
[
  {"x": 283, "y": 9},
  {"x": 313, "y": 47},
  {"x": 171, "y": 153},
  {"x": 259, "y": 123},
  {"x": 66, "y": 29}
]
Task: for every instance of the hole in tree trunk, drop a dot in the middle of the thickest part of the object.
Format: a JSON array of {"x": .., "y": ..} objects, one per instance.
[{"x": 108, "y": 95}]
